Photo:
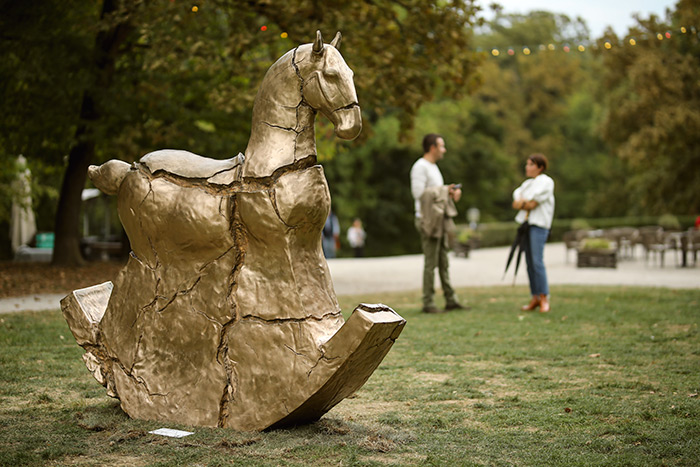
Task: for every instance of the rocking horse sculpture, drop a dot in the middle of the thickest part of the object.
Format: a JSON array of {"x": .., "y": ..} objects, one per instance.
[{"x": 225, "y": 314}]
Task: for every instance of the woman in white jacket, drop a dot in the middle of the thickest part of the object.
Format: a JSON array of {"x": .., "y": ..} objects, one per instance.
[{"x": 534, "y": 200}]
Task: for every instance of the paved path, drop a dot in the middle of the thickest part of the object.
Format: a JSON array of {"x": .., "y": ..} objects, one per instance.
[{"x": 484, "y": 267}]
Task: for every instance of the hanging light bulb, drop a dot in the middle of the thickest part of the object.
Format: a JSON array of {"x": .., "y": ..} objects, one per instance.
[
  {"x": 660, "y": 36},
  {"x": 633, "y": 41},
  {"x": 495, "y": 52},
  {"x": 668, "y": 34},
  {"x": 526, "y": 50},
  {"x": 683, "y": 29},
  {"x": 511, "y": 52},
  {"x": 608, "y": 45},
  {"x": 581, "y": 48},
  {"x": 550, "y": 46}
]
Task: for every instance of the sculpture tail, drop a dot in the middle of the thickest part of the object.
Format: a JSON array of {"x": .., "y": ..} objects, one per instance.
[{"x": 109, "y": 176}]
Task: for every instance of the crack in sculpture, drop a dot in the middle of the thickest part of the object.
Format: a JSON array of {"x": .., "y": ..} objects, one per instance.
[
  {"x": 179, "y": 293},
  {"x": 273, "y": 200},
  {"x": 225, "y": 313},
  {"x": 290, "y": 320},
  {"x": 299, "y": 354},
  {"x": 208, "y": 317},
  {"x": 281, "y": 128},
  {"x": 138, "y": 379}
]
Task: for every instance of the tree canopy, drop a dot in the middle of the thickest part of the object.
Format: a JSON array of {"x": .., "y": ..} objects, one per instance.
[
  {"x": 652, "y": 122},
  {"x": 126, "y": 77},
  {"x": 86, "y": 82}
]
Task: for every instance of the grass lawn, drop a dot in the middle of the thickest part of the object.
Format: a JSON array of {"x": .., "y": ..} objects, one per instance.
[{"x": 610, "y": 377}]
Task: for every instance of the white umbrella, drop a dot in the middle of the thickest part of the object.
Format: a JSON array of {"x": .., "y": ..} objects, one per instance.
[{"x": 22, "y": 222}]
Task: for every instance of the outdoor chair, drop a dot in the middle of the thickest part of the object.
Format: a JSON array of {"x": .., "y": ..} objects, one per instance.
[
  {"x": 694, "y": 243},
  {"x": 571, "y": 239},
  {"x": 678, "y": 242},
  {"x": 626, "y": 239},
  {"x": 653, "y": 241}
]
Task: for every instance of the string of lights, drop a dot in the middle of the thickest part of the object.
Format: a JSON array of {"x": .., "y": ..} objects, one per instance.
[
  {"x": 567, "y": 48},
  {"x": 608, "y": 45}
]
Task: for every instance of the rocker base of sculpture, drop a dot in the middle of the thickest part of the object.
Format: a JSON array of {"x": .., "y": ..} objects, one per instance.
[{"x": 348, "y": 359}]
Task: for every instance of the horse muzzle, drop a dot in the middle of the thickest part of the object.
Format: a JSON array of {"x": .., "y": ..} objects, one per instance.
[{"x": 347, "y": 122}]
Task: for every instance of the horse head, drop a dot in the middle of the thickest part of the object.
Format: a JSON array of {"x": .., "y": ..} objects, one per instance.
[
  {"x": 328, "y": 85},
  {"x": 308, "y": 79}
]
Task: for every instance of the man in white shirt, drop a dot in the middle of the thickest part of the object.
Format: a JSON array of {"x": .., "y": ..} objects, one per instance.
[{"x": 426, "y": 174}]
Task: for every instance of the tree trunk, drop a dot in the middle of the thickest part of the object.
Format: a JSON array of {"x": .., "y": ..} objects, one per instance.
[{"x": 66, "y": 250}]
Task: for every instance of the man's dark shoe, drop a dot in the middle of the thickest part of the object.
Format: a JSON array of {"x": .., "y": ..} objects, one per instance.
[
  {"x": 432, "y": 309},
  {"x": 456, "y": 306}
]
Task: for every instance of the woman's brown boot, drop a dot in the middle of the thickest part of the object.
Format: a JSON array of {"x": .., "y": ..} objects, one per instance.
[
  {"x": 544, "y": 304},
  {"x": 534, "y": 303}
]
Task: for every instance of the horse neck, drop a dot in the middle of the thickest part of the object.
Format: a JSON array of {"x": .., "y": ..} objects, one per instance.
[{"x": 282, "y": 131}]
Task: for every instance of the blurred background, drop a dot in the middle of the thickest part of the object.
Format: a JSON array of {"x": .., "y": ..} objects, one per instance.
[{"x": 617, "y": 112}]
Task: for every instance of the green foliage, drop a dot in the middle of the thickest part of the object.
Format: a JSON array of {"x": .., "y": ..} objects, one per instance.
[
  {"x": 580, "y": 224},
  {"x": 546, "y": 102},
  {"x": 475, "y": 157},
  {"x": 466, "y": 235},
  {"x": 149, "y": 75},
  {"x": 595, "y": 244},
  {"x": 371, "y": 181},
  {"x": 669, "y": 222},
  {"x": 653, "y": 118},
  {"x": 620, "y": 127},
  {"x": 608, "y": 377}
]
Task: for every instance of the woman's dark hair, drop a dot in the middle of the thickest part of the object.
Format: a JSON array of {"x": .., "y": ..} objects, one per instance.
[
  {"x": 540, "y": 160},
  {"x": 430, "y": 140}
]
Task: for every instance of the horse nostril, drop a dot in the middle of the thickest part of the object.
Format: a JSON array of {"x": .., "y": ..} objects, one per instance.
[
  {"x": 348, "y": 121},
  {"x": 348, "y": 107}
]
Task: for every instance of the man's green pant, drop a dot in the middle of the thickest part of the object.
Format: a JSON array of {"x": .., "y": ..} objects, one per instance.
[{"x": 435, "y": 256}]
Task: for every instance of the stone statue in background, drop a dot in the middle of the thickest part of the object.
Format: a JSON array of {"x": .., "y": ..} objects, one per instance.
[{"x": 225, "y": 314}]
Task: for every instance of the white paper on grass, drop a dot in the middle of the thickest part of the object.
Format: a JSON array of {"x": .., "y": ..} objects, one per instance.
[{"x": 171, "y": 433}]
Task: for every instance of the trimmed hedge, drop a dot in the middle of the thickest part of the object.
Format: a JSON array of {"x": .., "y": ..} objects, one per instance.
[{"x": 503, "y": 233}]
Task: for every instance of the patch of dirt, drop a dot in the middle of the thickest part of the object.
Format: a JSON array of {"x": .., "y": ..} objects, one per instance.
[
  {"x": 233, "y": 443},
  {"x": 19, "y": 279},
  {"x": 362, "y": 410},
  {"x": 377, "y": 443},
  {"x": 411, "y": 458},
  {"x": 115, "y": 460},
  {"x": 432, "y": 377}
]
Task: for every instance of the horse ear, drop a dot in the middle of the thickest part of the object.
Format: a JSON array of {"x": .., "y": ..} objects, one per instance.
[
  {"x": 336, "y": 40},
  {"x": 318, "y": 44}
]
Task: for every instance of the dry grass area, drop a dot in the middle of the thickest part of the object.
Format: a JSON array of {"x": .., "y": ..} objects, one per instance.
[{"x": 19, "y": 279}]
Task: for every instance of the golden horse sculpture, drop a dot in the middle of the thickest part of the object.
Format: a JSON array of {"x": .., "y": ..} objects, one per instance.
[{"x": 225, "y": 314}]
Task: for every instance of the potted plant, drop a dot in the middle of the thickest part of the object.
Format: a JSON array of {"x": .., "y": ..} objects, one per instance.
[
  {"x": 597, "y": 253},
  {"x": 467, "y": 239}
]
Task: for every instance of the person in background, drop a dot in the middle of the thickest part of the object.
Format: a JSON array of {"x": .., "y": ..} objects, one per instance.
[
  {"x": 534, "y": 200},
  {"x": 425, "y": 175},
  {"x": 356, "y": 238},
  {"x": 331, "y": 236}
]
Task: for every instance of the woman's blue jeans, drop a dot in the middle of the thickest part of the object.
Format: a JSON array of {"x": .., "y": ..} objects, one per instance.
[{"x": 535, "y": 261}]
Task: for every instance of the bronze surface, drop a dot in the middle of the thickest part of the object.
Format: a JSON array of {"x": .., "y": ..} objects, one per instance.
[{"x": 225, "y": 314}]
